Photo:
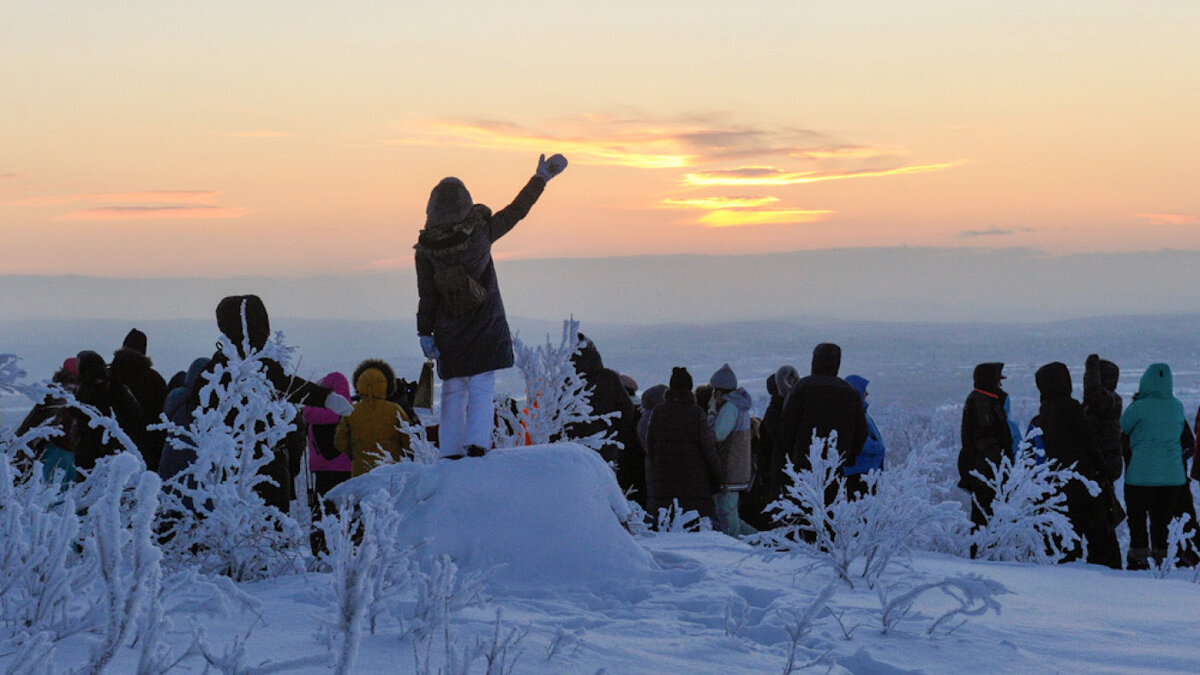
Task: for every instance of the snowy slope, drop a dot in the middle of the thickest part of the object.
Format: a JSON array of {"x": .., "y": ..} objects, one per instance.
[{"x": 593, "y": 597}]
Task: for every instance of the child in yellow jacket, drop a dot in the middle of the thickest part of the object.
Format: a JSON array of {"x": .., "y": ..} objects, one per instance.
[{"x": 370, "y": 433}]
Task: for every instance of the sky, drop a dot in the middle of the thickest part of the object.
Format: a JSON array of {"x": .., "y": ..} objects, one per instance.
[{"x": 149, "y": 139}]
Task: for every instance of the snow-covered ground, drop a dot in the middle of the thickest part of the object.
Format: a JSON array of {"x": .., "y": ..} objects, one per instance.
[{"x": 576, "y": 593}]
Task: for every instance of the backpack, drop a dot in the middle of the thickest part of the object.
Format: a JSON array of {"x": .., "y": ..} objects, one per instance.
[{"x": 460, "y": 293}]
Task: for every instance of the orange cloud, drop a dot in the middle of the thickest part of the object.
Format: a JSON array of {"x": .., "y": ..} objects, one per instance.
[
  {"x": 151, "y": 196},
  {"x": 155, "y": 213},
  {"x": 7, "y": 176},
  {"x": 749, "y": 217},
  {"x": 765, "y": 175},
  {"x": 637, "y": 143},
  {"x": 717, "y": 203},
  {"x": 1169, "y": 219}
]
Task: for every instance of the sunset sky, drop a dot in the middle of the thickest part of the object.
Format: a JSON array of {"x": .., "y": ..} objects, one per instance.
[{"x": 150, "y": 138}]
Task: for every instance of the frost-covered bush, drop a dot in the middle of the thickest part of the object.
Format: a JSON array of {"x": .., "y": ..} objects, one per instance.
[
  {"x": 899, "y": 514},
  {"x": 424, "y": 451},
  {"x": 556, "y": 396},
  {"x": 215, "y": 516},
  {"x": 674, "y": 519},
  {"x": 972, "y": 595},
  {"x": 80, "y": 562},
  {"x": 1028, "y": 519}
]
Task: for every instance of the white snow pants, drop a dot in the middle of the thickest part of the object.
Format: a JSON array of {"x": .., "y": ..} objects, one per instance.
[{"x": 468, "y": 413}]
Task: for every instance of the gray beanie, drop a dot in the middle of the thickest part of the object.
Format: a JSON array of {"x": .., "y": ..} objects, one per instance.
[
  {"x": 448, "y": 203},
  {"x": 723, "y": 378}
]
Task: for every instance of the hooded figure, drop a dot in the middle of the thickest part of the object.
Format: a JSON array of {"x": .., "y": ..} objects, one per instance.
[
  {"x": 607, "y": 396},
  {"x": 986, "y": 437},
  {"x": 871, "y": 457},
  {"x": 329, "y": 468},
  {"x": 1102, "y": 406},
  {"x": 460, "y": 315},
  {"x": 1068, "y": 441},
  {"x": 371, "y": 435},
  {"x": 132, "y": 368},
  {"x": 823, "y": 403},
  {"x": 111, "y": 399},
  {"x": 243, "y": 320},
  {"x": 181, "y": 402},
  {"x": 1154, "y": 423},
  {"x": 778, "y": 386},
  {"x": 681, "y": 452}
]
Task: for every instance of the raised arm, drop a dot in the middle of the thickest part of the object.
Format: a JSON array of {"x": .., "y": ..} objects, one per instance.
[{"x": 506, "y": 218}]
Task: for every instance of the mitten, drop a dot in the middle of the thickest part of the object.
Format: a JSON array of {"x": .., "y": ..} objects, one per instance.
[
  {"x": 429, "y": 347},
  {"x": 338, "y": 404},
  {"x": 549, "y": 168}
]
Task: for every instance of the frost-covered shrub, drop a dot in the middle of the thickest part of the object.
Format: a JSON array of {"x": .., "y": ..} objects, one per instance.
[
  {"x": 215, "y": 516},
  {"x": 1028, "y": 519},
  {"x": 556, "y": 396},
  {"x": 80, "y": 562},
  {"x": 899, "y": 514},
  {"x": 424, "y": 451},
  {"x": 674, "y": 519},
  {"x": 972, "y": 594}
]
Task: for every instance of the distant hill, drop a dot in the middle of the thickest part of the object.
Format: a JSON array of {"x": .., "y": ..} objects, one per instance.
[{"x": 894, "y": 284}]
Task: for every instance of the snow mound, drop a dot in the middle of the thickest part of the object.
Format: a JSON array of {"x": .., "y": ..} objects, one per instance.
[{"x": 530, "y": 517}]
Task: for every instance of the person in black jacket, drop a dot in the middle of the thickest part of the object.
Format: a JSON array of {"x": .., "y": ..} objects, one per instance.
[
  {"x": 111, "y": 399},
  {"x": 232, "y": 313},
  {"x": 1069, "y": 441},
  {"x": 986, "y": 437},
  {"x": 131, "y": 367},
  {"x": 607, "y": 396},
  {"x": 460, "y": 315},
  {"x": 681, "y": 452},
  {"x": 823, "y": 403}
]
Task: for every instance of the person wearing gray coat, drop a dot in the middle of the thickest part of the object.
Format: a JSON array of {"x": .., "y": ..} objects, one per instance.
[
  {"x": 460, "y": 315},
  {"x": 729, "y": 414}
]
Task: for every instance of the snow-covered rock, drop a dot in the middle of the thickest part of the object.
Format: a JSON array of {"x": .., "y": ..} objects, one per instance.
[{"x": 535, "y": 516}]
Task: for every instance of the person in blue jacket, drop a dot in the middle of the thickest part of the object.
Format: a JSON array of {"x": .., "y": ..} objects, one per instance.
[{"x": 871, "y": 457}]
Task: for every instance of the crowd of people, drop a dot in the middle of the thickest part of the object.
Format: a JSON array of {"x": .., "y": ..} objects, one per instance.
[{"x": 675, "y": 446}]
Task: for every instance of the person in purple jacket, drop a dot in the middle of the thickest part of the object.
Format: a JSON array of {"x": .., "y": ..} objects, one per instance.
[{"x": 328, "y": 467}]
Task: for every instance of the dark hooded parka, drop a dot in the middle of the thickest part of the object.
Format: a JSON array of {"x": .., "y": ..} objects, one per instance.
[
  {"x": 681, "y": 453},
  {"x": 823, "y": 403},
  {"x": 608, "y": 395},
  {"x": 986, "y": 437},
  {"x": 458, "y": 238},
  {"x": 111, "y": 399},
  {"x": 294, "y": 389},
  {"x": 1102, "y": 406},
  {"x": 131, "y": 367},
  {"x": 1069, "y": 441}
]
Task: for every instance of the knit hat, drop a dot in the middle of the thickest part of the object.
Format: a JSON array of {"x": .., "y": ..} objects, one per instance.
[
  {"x": 448, "y": 203},
  {"x": 71, "y": 365},
  {"x": 681, "y": 379},
  {"x": 654, "y": 396},
  {"x": 629, "y": 384},
  {"x": 785, "y": 378},
  {"x": 135, "y": 340},
  {"x": 724, "y": 378}
]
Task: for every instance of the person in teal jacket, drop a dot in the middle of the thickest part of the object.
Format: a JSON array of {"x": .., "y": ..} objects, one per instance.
[{"x": 1154, "y": 423}]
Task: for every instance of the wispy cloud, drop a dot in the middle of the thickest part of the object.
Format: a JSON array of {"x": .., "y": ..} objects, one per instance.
[
  {"x": 149, "y": 196},
  {"x": 252, "y": 134},
  {"x": 155, "y": 213},
  {"x": 766, "y": 175},
  {"x": 1169, "y": 219},
  {"x": 994, "y": 231},
  {"x": 744, "y": 211},
  {"x": 636, "y": 142},
  {"x": 7, "y": 176},
  {"x": 745, "y": 218}
]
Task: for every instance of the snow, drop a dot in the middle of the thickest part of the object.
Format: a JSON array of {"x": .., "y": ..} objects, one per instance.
[{"x": 548, "y": 515}]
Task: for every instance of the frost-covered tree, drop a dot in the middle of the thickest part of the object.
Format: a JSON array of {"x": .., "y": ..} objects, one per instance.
[
  {"x": 215, "y": 515},
  {"x": 1028, "y": 519},
  {"x": 556, "y": 396}
]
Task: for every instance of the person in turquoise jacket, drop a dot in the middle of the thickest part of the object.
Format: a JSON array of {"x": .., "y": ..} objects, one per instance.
[{"x": 1154, "y": 423}]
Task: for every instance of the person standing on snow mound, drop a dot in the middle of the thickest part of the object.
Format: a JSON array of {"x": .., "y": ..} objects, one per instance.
[{"x": 460, "y": 316}]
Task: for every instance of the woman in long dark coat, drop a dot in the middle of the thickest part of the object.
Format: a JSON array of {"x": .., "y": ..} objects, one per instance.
[
  {"x": 681, "y": 453},
  {"x": 460, "y": 315}
]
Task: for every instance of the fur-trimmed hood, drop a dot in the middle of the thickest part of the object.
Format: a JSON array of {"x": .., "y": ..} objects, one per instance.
[{"x": 384, "y": 369}]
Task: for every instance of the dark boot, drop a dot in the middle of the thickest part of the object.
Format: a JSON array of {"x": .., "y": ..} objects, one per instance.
[
  {"x": 476, "y": 451},
  {"x": 1138, "y": 559}
]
